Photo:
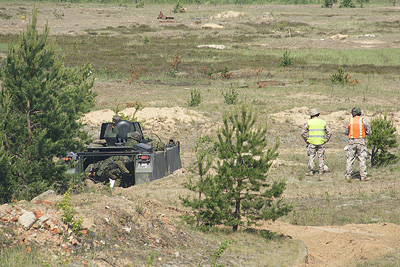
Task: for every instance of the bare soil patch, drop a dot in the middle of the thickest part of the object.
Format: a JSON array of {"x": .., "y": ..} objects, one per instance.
[{"x": 344, "y": 245}]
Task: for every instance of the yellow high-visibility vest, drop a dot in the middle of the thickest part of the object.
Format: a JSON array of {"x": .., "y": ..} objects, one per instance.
[{"x": 316, "y": 131}]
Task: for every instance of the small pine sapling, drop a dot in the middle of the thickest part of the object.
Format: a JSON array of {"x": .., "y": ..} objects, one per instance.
[{"x": 383, "y": 138}]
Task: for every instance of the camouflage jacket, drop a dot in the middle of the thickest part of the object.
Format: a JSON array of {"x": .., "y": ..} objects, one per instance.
[{"x": 110, "y": 168}]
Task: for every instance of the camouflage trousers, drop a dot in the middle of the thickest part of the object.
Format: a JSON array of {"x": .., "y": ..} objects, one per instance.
[
  {"x": 360, "y": 151},
  {"x": 312, "y": 151}
]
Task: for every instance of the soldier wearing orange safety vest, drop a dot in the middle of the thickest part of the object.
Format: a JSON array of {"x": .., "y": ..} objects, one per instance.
[
  {"x": 316, "y": 133},
  {"x": 357, "y": 130}
]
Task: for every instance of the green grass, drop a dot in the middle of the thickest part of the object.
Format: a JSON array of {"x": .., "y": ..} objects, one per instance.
[
  {"x": 3, "y": 47},
  {"x": 158, "y": 59},
  {"x": 388, "y": 260},
  {"x": 19, "y": 256},
  {"x": 337, "y": 210}
]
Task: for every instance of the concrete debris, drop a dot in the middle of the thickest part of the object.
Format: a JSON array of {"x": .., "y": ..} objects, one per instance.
[
  {"x": 263, "y": 84},
  {"x": 127, "y": 229},
  {"x": 220, "y": 47},
  {"x": 41, "y": 224},
  {"x": 367, "y": 35},
  {"x": 27, "y": 220}
]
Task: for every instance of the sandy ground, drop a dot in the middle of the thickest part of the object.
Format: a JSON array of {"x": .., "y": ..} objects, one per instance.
[{"x": 342, "y": 245}]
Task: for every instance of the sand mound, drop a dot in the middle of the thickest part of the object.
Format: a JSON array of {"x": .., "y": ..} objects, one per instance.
[
  {"x": 158, "y": 120},
  {"x": 336, "y": 120},
  {"x": 212, "y": 26},
  {"x": 166, "y": 115},
  {"x": 227, "y": 15},
  {"x": 338, "y": 37}
]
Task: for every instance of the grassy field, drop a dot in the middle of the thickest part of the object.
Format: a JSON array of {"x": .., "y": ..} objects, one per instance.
[{"x": 136, "y": 57}]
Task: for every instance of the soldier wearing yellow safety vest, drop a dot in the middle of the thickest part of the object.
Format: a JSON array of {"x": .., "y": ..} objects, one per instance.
[
  {"x": 357, "y": 130},
  {"x": 316, "y": 133}
]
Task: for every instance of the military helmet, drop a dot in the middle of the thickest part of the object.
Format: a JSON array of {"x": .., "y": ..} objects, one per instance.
[
  {"x": 356, "y": 111},
  {"x": 136, "y": 136},
  {"x": 116, "y": 118},
  {"x": 314, "y": 112}
]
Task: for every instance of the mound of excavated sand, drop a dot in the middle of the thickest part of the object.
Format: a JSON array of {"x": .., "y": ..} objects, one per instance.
[
  {"x": 338, "y": 37},
  {"x": 212, "y": 26},
  {"x": 396, "y": 120},
  {"x": 336, "y": 120},
  {"x": 228, "y": 15},
  {"x": 156, "y": 119}
]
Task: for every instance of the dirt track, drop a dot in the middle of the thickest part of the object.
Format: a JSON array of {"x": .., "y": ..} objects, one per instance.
[{"x": 342, "y": 245}]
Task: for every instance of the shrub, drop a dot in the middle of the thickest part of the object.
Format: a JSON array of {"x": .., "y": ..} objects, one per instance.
[
  {"x": 134, "y": 74},
  {"x": 179, "y": 8},
  {"x": 225, "y": 73},
  {"x": 382, "y": 138},
  {"x": 210, "y": 72},
  {"x": 341, "y": 78},
  {"x": 68, "y": 217},
  {"x": 175, "y": 62},
  {"x": 327, "y": 3},
  {"x": 230, "y": 96},
  {"x": 195, "y": 98},
  {"x": 285, "y": 60},
  {"x": 346, "y": 3}
]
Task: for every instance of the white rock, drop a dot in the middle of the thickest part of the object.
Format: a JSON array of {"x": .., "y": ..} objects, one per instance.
[
  {"x": 27, "y": 220},
  {"x": 220, "y": 47}
]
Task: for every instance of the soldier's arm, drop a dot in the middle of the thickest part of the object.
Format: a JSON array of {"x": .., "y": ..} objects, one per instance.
[
  {"x": 121, "y": 166},
  {"x": 304, "y": 132},
  {"x": 328, "y": 133},
  {"x": 367, "y": 126}
]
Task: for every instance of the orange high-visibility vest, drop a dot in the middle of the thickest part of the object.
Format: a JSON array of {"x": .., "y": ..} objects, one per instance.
[{"x": 356, "y": 128}]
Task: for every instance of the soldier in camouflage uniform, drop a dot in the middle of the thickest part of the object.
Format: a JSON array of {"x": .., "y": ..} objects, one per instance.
[
  {"x": 357, "y": 130},
  {"x": 151, "y": 139},
  {"x": 134, "y": 140},
  {"x": 111, "y": 168},
  {"x": 316, "y": 133},
  {"x": 155, "y": 142}
]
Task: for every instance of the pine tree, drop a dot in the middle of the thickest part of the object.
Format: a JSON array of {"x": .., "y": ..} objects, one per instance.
[
  {"x": 4, "y": 160},
  {"x": 205, "y": 154},
  {"x": 42, "y": 120},
  {"x": 383, "y": 138},
  {"x": 240, "y": 188}
]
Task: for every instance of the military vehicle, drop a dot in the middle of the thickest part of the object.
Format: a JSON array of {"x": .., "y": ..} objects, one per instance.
[{"x": 123, "y": 156}]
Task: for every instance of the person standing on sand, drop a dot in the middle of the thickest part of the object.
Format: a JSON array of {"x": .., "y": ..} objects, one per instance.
[
  {"x": 357, "y": 130},
  {"x": 316, "y": 133}
]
